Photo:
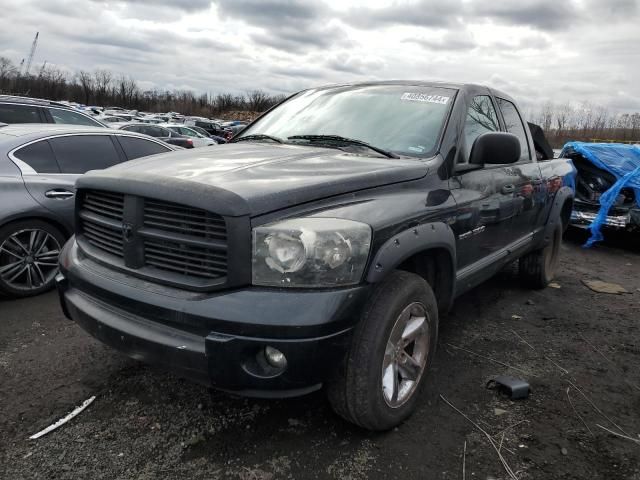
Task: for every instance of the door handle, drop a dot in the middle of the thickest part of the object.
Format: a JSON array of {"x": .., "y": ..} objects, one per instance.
[
  {"x": 508, "y": 188},
  {"x": 60, "y": 194}
]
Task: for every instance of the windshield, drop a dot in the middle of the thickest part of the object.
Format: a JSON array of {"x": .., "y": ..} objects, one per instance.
[{"x": 404, "y": 119}]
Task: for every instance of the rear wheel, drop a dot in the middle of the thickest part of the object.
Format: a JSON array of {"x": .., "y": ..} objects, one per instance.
[
  {"x": 28, "y": 257},
  {"x": 537, "y": 269},
  {"x": 379, "y": 383}
]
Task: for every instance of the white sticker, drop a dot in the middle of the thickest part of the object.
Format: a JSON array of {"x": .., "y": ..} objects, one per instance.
[{"x": 421, "y": 97}]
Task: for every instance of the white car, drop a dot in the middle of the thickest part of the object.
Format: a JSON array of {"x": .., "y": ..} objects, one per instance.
[{"x": 198, "y": 139}]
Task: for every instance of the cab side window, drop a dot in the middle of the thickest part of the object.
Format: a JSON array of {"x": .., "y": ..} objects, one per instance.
[
  {"x": 481, "y": 118},
  {"x": 514, "y": 125}
]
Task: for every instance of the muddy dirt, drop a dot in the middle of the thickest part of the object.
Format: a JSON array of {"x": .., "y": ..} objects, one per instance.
[{"x": 145, "y": 424}]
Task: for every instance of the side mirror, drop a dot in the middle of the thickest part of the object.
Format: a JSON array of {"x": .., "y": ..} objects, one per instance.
[{"x": 495, "y": 148}]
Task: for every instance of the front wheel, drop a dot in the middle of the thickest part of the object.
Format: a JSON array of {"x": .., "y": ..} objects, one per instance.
[
  {"x": 537, "y": 269},
  {"x": 378, "y": 384}
]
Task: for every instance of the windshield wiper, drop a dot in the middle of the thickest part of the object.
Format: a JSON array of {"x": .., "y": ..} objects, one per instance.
[
  {"x": 345, "y": 140},
  {"x": 258, "y": 136}
]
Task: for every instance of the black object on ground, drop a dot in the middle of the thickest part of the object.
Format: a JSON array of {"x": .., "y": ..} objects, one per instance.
[{"x": 516, "y": 388}]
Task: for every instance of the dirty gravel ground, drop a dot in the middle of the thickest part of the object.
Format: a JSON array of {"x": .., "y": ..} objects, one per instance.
[{"x": 145, "y": 424}]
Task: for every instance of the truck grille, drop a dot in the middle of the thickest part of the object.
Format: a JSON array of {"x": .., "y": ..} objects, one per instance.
[
  {"x": 105, "y": 235},
  {"x": 152, "y": 235}
]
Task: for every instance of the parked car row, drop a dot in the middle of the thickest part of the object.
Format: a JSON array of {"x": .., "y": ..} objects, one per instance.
[
  {"x": 166, "y": 133},
  {"x": 15, "y": 109}
]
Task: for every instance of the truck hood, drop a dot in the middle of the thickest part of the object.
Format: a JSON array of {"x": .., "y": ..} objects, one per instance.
[{"x": 251, "y": 178}]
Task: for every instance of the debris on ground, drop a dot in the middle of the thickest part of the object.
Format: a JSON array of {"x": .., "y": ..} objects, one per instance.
[
  {"x": 64, "y": 420},
  {"x": 516, "y": 317},
  {"x": 515, "y": 387},
  {"x": 604, "y": 287},
  {"x": 554, "y": 285}
]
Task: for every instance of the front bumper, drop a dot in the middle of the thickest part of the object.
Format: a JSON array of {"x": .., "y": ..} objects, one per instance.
[
  {"x": 216, "y": 339},
  {"x": 584, "y": 214}
]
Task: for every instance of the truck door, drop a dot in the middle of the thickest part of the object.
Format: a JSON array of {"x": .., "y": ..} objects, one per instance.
[
  {"x": 485, "y": 197},
  {"x": 528, "y": 189},
  {"x": 54, "y": 186}
]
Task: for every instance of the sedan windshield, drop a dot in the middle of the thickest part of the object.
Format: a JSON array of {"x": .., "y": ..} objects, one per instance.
[{"x": 403, "y": 119}]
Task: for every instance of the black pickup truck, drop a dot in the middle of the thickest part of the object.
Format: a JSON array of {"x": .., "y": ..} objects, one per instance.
[{"x": 320, "y": 246}]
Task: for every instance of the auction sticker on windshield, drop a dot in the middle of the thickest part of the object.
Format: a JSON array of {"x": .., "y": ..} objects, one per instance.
[{"x": 421, "y": 97}]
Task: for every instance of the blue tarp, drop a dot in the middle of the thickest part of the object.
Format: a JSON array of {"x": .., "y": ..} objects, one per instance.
[{"x": 623, "y": 162}]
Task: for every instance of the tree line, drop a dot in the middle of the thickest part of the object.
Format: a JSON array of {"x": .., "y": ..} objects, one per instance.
[
  {"x": 103, "y": 88},
  {"x": 585, "y": 122},
  {"x": 560, "y": 122}
]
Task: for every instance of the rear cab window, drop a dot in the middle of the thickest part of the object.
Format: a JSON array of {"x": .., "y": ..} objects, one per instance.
[{"x": 513, "y": 123}]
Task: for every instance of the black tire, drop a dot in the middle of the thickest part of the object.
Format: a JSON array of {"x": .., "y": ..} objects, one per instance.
[
  {"x": 538, "y": 268},
  {"x": 8, "y": 256},
  {"x": 356, "y": 392}
]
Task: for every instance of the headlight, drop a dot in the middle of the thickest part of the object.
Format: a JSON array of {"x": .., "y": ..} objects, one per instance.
[{"x": 310, "y": 252}]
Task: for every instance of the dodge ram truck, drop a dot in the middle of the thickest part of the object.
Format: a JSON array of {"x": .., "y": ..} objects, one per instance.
[{"x": 320, "y": 246}]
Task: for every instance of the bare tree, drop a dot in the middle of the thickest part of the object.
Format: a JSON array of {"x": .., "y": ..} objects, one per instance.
[
  {"x": 257, "y": 100},
  {"x": 7, "y": 71},
  {"x": 102, "y": 83},
  {"x": 86, "y": 82},
  {"x": 128, "y": 90}
]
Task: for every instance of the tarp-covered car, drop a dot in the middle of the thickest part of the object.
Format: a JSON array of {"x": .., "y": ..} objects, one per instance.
[{"x": 607, "y": 186}]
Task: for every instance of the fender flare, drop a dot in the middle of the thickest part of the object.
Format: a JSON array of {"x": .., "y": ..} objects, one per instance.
[
  {"x": 409, "y": 242},
  {"x": 562, "y": 195}
]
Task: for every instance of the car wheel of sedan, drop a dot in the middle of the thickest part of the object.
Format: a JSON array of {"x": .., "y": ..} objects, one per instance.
[
  {"x": 28, "y": 257},
  {"x": 537, "y": 269},
  {"x": 379, "y": 382}
]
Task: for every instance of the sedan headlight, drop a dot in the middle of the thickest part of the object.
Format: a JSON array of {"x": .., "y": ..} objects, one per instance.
[{"x": 310, "y": 252}]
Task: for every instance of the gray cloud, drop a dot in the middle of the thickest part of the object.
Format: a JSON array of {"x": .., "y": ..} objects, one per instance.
[
  {"x": 541, "y": 14},
  {"x": 450, "y": 41},
  {"x": 355, "y": 65},
  {"x": 575, "y": 50},
  {"x": 529, "y": 42},
  {"x": 137, "y": 8},
  {"x": 189, "y": 6},
  {"x": 290, "y": 26},
  {"x": 291, "y": 39},
  {"x": 272, "y": 13},
  {"x": 424, "y": 13}
]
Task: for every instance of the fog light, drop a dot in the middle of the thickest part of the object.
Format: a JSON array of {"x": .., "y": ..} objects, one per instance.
[{"x": 275, "y": 357}]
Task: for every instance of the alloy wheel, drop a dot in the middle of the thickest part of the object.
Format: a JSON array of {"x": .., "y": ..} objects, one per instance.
[
  {"x": 405, "y": 355},
  {"x": 29, "y": 259}
]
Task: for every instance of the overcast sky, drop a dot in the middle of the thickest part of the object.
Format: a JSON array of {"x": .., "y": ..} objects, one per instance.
[{"x": 580, "y": 50}]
